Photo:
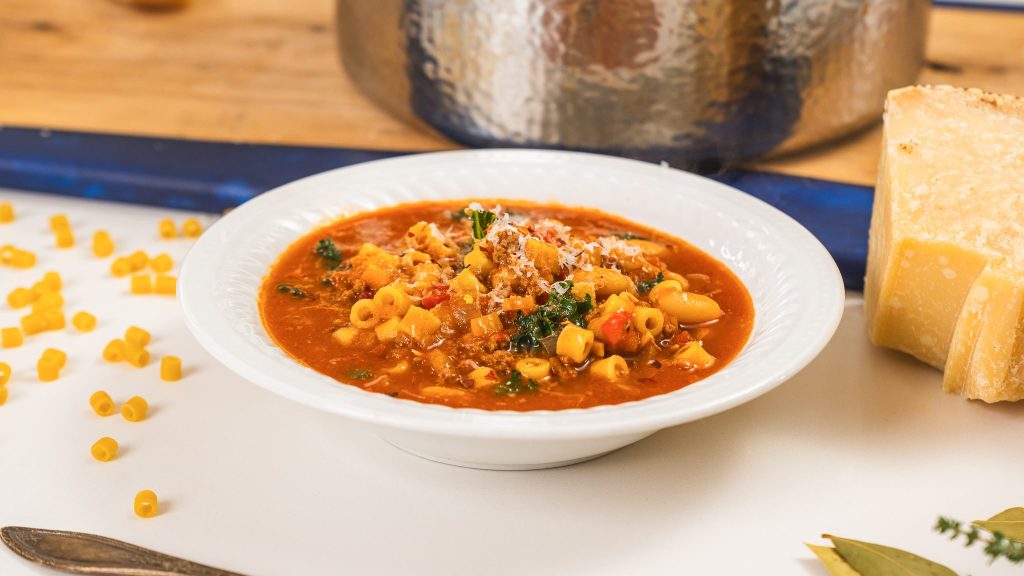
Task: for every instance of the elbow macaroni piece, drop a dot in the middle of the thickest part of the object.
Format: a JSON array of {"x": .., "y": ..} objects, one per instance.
[
  {"x": 114, "y": 351},
  {"x": 47, "y": 370},
  {"x": 381, "y": 269},
  {"x": 688, "y": 307},
  {"x": 105, "y": 449},
  {"x": 606, "y": 281},
  {"x": 611, "y": 368},
  {"x": 137, "y": 336},
  {"x": 170, "y": 368},
  {"x": 121, "y": 267},
  {"x": 534, "y": 368},
  {"x": 388, "y": 330},
  {"x": 84, "y": 321},
  {"x": 574, "y": 343},
  {"x": 136, "y": 355},
  {"x": 142, "y": 284},
  {"x": 165, "y": 285},
  {"x": 146, "y": 505},
  {"x": 134, "y": 410},
  {"x": 191, "y": 228},
  {"x": 138, "y": 259},
  {"x": 485, "y": 325},
  {"x": 53, "y": 280},
  {"x": 48, "y": 300},
  {"x": 54, "y": 319},
  {"x": 11, "y": 337},
  {"x": 364, "y": 314},
  {"x": 56, "y": 356},
  {"x": 65, "y": 238},
  {"x": 3, "y": 395},
  {"x": 419, "y": 324},
  {"x": 5, "y": 373},
  {"x": 102, "y": 245},
  {"x": 20, "y": 297},
  {"x": 33, "y": 324},
  {"x": 167, "y": 229},
  {"x": 648, "y": 320},
  {"x": 162, "y": 263},
  {"x": 102, "y": 404},
  {"x": 391, "y": 301},
  {"x": 59, "y": 222},
  {"x": 664, "y": 287},
  {"x": 6, "y": 212}
]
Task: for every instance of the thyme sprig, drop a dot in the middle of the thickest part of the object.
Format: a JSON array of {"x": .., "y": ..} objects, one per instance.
[{"x": 996, "y": 544}]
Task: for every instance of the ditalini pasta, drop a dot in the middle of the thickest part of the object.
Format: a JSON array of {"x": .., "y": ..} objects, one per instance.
[{"x": 515, "y": 306}]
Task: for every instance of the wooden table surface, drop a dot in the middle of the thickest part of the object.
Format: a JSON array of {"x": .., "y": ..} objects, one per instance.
[{"x": 266, "y": 71}]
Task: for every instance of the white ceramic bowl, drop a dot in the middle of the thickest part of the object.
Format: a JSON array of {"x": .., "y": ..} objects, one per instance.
[{"x": 797, "y": 292}]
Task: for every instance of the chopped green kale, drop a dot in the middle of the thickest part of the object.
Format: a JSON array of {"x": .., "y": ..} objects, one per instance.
[
  {"x": 645, "y": 286},
  {"x": 560, "y": 308},
  {"x": 292, "y": 290},
  {"x": 516, "y": 384},
  {"x": 360, "y": 374},
  {"x": 327, "y": 250},
  {"x": 481, "y": 220}
]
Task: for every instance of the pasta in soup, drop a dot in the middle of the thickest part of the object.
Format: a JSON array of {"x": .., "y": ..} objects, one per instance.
[{"x": 504, "y": 306}]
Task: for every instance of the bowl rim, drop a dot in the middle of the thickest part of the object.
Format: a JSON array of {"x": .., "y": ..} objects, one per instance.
[{"x": 600, "y": 421}]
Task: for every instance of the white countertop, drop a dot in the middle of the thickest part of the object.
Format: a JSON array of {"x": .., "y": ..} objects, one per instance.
[{"x": 862, "y": 444}]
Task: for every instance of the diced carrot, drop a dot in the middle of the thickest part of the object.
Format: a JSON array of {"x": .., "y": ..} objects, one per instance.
[
  {"x": 435, "y": 297},
  {"x": 614, "y": 328}
]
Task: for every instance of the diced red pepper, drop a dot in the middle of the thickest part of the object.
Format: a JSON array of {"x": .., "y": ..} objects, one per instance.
[
  {"x": 435, "y": 297},
  {"x": 614, "y": 328}
]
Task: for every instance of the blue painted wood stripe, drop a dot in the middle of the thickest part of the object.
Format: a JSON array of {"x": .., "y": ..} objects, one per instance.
[
  {"x": 1002, "y": 6},
  {"x": 214, "y": 176}
]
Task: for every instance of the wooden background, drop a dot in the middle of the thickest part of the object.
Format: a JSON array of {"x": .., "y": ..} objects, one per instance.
[{"x": 266, "y": 71}]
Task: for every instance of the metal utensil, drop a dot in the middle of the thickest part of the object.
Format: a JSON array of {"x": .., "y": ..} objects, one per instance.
[
  {"x": 81, "y": 553},
  {"x": 689, "y": 81}
]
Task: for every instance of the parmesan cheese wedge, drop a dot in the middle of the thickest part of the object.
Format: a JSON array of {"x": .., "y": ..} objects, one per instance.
[{"x": 945, "y": 278}]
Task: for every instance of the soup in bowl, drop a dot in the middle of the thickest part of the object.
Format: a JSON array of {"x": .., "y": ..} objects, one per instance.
[{"x": 511, "y": 309}]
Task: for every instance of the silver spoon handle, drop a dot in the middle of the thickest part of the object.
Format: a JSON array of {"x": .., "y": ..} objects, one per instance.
[{"x": 81, "y": 553}]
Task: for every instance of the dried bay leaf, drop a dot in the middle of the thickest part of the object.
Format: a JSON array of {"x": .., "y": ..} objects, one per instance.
[
  {"x": 876, "y": 560},
  {"x": 833, "y": 562},
  {"x": 1009, "y": 523}
]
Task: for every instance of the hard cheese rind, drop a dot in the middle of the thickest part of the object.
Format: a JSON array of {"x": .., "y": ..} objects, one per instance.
[{"x": 945, "y": 278}]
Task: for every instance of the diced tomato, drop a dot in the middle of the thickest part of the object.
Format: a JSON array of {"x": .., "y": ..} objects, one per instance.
[
  {"x": 542, "y": 298},
  {"x": 435, "y": 296},
  {"x": 614, "y": 328}
]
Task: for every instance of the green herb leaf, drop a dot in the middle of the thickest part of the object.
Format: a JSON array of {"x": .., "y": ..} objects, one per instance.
[
  {"x": 294, "y": 291},
  {"x": 481, "y": 220},
  {"x": 645, "y": 287},
  {"x": 559, "y": 309},
  {"x": 833, "y": 562},
  {"x": 1009, "y": 523},
  {"x": 360, "y": 374},
  {"x": 327, "y": 250},
  {"x": 516, "y": 384},
  {"x": 876, "y": 560}
]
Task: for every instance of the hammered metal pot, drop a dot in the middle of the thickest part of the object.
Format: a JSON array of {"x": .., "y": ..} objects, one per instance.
[{"x": 689, "y": 81}]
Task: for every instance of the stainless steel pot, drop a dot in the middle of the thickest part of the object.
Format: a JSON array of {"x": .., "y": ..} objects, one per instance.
[{"x": 688, "y": 81}]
